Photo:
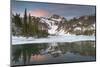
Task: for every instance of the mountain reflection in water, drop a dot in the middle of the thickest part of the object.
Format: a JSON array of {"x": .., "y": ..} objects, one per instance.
[{"x": 53, "y": 52}]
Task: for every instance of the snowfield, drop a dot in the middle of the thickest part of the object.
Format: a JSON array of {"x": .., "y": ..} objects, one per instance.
[{"x": 51, "y": 39}]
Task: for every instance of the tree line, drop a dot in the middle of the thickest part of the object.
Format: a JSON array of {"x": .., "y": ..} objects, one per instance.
[{"x": 28, "y": 26}]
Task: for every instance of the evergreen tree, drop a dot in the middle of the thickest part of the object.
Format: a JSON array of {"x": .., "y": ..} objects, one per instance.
[
  {"x": 25, "y": 23},
  {"x": 17, "y": 20},
  {"x": 30, "y": 26},
  {"x": 17, "y": 24}
]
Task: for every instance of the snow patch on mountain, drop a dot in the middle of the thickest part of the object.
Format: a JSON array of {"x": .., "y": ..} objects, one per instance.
[
  {"x": 53, "y": 25},
  {"x": 77, "y": 28}
]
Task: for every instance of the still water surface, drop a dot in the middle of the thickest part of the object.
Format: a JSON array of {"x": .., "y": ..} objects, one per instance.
[{"x": 42, "y": 53}]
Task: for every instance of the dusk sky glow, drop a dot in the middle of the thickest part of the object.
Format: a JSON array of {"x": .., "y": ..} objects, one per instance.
[{"x": 39, "y": 9}]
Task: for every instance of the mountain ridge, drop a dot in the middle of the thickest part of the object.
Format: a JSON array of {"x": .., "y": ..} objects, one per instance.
[{"x": 58, "y": 25}]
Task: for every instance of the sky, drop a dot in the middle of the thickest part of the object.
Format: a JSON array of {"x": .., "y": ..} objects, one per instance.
[{"x": 40, "y": 9}]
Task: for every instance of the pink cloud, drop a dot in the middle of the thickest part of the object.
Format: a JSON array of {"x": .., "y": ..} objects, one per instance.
[{"x": 39, "y": 13}]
